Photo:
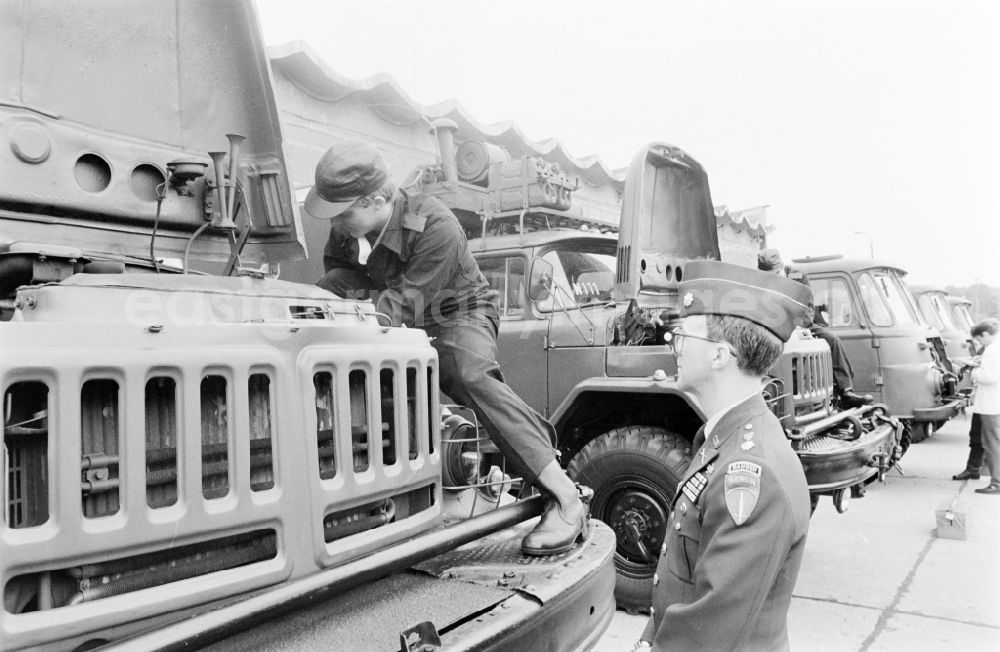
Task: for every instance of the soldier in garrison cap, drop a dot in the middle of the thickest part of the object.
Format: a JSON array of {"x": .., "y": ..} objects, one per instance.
[
  {"x": 737, "y": 532},
  {"x": 409, "y": 253}
]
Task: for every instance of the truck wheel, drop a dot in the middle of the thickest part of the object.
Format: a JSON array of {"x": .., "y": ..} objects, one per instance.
[{"x": 634, "y": 472}]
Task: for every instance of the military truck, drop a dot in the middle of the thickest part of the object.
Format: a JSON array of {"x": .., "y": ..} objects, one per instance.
[
  {"x": 897, "y": 358},
  {"x": 935, "y": 310},
  {"x": 582, "y": 339},
  {"x": 961, "y": 312},
  {"x": 195, "y": 451}
]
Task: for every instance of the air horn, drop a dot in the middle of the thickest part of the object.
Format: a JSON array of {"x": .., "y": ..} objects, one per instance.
[{"x": 224, "y": 183}]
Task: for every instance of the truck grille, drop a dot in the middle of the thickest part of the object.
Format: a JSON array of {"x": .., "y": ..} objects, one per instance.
[
  {"x": 27, "y": 444},
  {"x": 207, "y": 434},
  {"x": 812, "y": 380}
]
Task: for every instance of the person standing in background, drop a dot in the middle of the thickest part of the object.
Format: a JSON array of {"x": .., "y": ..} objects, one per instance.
[{"x": 986, "y": 398}]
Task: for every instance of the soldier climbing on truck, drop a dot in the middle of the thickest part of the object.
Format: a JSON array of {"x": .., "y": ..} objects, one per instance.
[
  {"x": 411, "y": 250},
  {"x": 193, "y": 450}
]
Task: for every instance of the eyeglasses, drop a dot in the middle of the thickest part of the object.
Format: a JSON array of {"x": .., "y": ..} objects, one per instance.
[{"x": 677, "y": 336}]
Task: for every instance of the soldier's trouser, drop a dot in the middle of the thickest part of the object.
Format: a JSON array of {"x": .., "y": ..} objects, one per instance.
[
  {"x": 470, "y": 376},
  {"x": 975, "y": 444},
  {"x": 991, "y": 444},
  {"x": 843, "y": 374}
]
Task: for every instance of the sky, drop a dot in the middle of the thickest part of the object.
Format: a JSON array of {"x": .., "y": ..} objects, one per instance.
[{"x": 862, "y": 125}]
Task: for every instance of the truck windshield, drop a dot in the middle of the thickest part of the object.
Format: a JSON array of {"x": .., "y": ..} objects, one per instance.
[
  {"x": 885, "y": 298},
  {"x": 933, "y": 307},
  {"x": 583, "y": 270},
  {"x": 963, "y": 317}
]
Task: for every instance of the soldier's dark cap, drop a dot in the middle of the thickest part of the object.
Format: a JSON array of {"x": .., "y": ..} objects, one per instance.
[
  {"x": 711, "y": 287},
  {"x": 347, "y": 172},
  {"x": 769, "y": 260}
]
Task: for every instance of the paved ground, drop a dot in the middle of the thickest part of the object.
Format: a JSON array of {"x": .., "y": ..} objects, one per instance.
[{"x": 878, "y": 579}]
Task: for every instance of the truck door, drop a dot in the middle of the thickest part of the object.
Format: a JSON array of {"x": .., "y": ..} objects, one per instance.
[
  {"x": 840, "y": 308},
  {"x": 577, "y": 309},
  {"x": 521, "y": 342}
]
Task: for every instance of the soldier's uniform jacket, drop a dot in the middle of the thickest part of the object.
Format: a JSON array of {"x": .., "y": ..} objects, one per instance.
[
  {"x": 421, "y": 264},
  {"x": 734, "y": 540}
]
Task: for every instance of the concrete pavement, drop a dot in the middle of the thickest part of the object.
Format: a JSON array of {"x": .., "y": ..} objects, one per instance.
[{"x": 878, "y": 579}]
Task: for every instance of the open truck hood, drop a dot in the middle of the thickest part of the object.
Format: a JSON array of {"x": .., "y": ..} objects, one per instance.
[
  {"x": 667, "y": 220},
  {"x": 96, "y": 98}
]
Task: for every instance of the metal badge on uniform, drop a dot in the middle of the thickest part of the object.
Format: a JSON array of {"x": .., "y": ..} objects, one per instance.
[{"x": 742, "y": 489}]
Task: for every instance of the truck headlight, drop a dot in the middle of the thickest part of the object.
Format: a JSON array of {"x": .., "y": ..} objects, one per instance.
[{"x": 461, "y": 452}]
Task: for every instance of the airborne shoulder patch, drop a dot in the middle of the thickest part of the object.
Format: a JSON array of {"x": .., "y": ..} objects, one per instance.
[{"x": 742, "y": 485}]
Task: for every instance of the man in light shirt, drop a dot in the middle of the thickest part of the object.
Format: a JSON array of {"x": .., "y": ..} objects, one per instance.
[{"x": 986, "y": 398}]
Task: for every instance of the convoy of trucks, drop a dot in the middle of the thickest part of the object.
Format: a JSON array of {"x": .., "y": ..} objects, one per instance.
[{"x": 224, "y": 457}]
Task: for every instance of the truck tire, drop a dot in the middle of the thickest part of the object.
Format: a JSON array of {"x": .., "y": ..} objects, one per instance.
[{"x": 634, "y": 472}]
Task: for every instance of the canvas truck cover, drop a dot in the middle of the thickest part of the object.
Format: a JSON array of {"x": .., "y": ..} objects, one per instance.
[{"x": 96, "y": 99}]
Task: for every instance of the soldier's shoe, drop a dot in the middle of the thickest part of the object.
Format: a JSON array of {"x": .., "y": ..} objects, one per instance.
[
  {"x": 556, "y": 532},
  {"x": 966, "y": 475},
  {"x": 849, "y": 399},
  {"x": 993, "y": 490}
]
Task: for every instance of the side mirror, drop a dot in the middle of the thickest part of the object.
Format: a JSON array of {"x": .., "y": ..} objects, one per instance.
[{"x": 540, "y": 287}]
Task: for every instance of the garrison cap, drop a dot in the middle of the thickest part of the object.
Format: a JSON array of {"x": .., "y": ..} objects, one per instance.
[
  {"x": 347, "y": 172},
  {"x": 711, "y": 287}
]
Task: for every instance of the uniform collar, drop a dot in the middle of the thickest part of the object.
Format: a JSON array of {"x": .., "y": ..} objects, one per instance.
[
  {"x": 713, "y": 422},
  {"x": 730, "y": 421},
  {"x": 402, "y": 218},
  {"x": 746, "y": 410}
]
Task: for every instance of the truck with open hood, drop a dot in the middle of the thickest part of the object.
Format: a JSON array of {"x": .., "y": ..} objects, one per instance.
[
  {"x": 193, "y": 450},
  {"x": 936, "y": 310},
  {"x": 583, "y": 319},
  {"x": 897, "y": 357}
]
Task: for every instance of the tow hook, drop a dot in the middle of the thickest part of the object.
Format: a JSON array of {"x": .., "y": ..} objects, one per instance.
[{"x": 881, "y": 462}]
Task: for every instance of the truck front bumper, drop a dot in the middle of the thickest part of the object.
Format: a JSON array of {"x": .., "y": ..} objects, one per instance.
[
  {"x": 485, "y": 595},
  {"x": 831, "y": 464},
  {"x": 938, "y": 413}
]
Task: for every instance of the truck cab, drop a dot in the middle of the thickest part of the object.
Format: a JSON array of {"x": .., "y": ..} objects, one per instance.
[
  {"x": 937, "y": 312},
  {"x": 961, "y": 312},
  {"x": 897, "y": 357},
  {"x": 194, "y": 450}
]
